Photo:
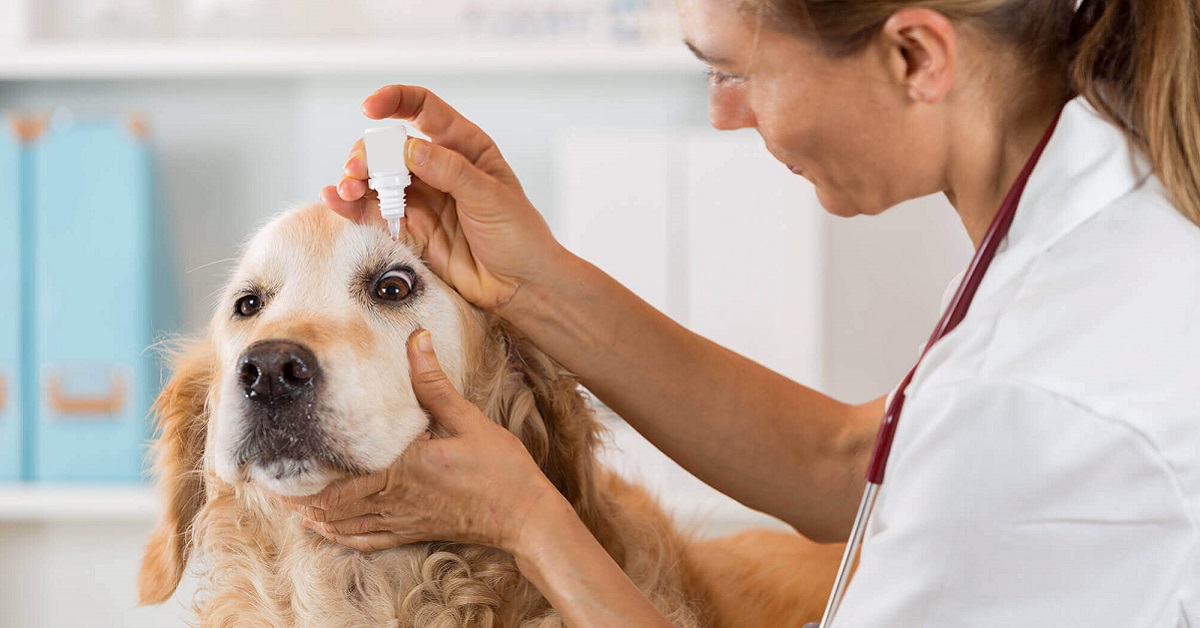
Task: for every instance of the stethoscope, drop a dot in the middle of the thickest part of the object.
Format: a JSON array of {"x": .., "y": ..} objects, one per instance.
[{"x": 950, "y": 319}]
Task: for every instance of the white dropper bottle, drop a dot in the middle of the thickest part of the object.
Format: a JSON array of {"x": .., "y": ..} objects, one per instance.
[{"x": 386, "y": 171}]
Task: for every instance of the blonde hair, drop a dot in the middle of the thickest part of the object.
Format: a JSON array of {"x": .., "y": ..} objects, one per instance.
[{"x": 1137, "y": 62}]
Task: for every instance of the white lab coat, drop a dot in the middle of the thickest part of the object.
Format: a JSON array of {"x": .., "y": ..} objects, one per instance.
[{"x": 1046, "y": 468}]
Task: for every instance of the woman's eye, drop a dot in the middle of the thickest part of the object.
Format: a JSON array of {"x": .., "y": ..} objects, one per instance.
[
  {"x": 395, "y": 285},
  {"x": 248, "y": 306},
  {"x": 720, "y": 78}
]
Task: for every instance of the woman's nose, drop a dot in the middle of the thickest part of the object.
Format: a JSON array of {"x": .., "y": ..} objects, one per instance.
[{"x": 729, "y": 110}]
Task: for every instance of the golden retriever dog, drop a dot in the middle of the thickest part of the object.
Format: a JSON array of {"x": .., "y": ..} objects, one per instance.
[{"x": 302, "y": 378}]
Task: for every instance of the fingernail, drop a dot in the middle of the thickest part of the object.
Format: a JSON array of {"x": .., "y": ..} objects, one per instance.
[
  {"x": 418, "y": 152},
  {"x": 346, "y": 168},
  {"x": 424, "y": 342},
  {"x": 363, "y": 105}
]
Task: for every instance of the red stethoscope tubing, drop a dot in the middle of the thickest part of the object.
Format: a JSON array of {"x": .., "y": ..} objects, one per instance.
[
  {"x": 953, "y": 315},
  {"x": 957, "y": 309}
]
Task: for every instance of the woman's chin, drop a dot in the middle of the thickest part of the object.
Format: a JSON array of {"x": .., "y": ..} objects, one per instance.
[
  {"x": 844, "y": 206},
  {"x": 836, "y": 204}
]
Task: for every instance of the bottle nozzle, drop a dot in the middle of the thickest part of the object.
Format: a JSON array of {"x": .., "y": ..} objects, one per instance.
[{"x": 387, "y": 172}]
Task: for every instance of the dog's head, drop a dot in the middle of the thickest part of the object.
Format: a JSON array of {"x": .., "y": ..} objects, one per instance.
[
  {"x": 310, "y": 351},
  {"x": 303, "y": 378}
]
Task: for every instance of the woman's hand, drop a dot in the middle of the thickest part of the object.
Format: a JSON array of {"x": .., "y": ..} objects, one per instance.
[
  {"x": 479, "y": 485},
  {"x": 465, "y": 207}
]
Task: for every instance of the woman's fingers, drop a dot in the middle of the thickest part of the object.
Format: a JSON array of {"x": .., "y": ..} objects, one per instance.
[
  {"x": 338, "y": 512},
  {"x": 451, "y": 172},
  {"x": 431, "y": 210},
  {"x": 431, "y": 115},
  {"x": 338, "y": 499},
  {"x": 351, "y": 210},
  {"x": 362, "y": 524},
  {"x": 356, "y": 164},
  {"x": 364, "y": 210},
  {"x": 351, "y": 189},
  {"x": 434, "y": 390},
  {"x": 370, "y": 542}
]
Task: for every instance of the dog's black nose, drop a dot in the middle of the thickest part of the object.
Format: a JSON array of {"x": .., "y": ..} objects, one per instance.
[{"x": 274, "y": 370}]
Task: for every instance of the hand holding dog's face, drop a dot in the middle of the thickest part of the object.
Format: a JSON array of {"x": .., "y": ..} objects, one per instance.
[{"x": 476, "y": 485}]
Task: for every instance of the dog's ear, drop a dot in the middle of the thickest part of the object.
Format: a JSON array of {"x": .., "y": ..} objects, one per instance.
[
  {"x": 537, "y": 399},
  {"x": 182, "y": 422}
]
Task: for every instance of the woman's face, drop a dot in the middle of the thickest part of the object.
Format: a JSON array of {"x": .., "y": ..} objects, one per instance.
[{"x": 844, "y": 123}]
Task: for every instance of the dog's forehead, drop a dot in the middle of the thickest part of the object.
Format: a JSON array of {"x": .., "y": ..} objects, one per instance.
[{"x": 312, "y": 246}]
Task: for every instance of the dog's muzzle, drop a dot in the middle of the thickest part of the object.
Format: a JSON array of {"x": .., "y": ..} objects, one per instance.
[{"x": 280, "y": 381}]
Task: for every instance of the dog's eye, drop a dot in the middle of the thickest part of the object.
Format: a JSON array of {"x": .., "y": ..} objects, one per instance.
[
  {"x": 395, "y": 285},
  {"x": 247, "y": 306}
]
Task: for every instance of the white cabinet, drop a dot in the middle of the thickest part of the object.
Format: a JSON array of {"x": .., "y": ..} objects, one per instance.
[
  {"x": 708, "y": 228},
  {"x": 712, "y": 231},
  {"x": 617, "y": 206}
]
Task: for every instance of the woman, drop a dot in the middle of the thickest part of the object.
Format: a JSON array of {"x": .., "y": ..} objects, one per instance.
[{"x": 1047, "y": 471}]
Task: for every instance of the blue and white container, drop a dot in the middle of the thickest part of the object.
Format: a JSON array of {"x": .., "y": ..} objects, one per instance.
[
  {"x": 91, "y": 264},
  {"x": 11, "y": 458}
]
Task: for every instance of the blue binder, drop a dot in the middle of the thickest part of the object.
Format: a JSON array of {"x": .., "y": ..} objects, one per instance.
[
  {"x": 92, "y": 268},
  {"x": 10, "y": 306}
]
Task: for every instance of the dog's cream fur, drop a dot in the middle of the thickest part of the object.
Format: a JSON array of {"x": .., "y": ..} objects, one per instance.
[{"x": 261, "y": 568}]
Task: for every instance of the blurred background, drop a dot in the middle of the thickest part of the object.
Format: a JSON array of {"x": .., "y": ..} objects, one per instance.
[{"x": 144, "y": 140}]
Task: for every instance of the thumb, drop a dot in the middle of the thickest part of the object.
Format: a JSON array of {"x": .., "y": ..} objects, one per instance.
[
  {"x": 449, "y": 171},
  {"x": 433, "y": 389}
]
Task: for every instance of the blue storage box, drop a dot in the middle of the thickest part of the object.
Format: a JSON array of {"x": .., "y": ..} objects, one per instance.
[
  {"x": 91, "y": 264},
  {"x": 10, "y": 304}
]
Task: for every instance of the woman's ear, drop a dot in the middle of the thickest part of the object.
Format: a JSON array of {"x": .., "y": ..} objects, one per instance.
[
  {"x": 922, "y": 53},
  {"x": 182, "y": 420}
]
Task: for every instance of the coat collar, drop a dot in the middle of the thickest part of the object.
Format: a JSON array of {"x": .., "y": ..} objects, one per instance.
[{"x": 1087, "y": 164}]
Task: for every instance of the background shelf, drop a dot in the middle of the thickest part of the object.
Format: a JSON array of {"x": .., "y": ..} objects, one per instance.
[
  {"x": 54, "y": 503},
  {"x": 85, "y": 61}
]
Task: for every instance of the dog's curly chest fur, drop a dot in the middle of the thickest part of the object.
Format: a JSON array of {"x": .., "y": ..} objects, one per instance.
[{"x": 298, "y": 579}]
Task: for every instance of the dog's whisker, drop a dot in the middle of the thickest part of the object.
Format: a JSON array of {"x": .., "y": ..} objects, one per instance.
[{"x": 212, "y": 263}]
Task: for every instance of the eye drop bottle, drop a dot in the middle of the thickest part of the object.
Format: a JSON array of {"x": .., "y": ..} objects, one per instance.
[{"x": 386, "y": 171}]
